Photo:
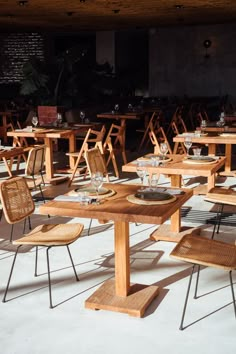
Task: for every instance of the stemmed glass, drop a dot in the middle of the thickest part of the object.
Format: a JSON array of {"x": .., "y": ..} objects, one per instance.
[
  {"x": 82, "y": 116},
  {"x": 35, "y": 121},
  {"x": 203, "y": 125},
  {"x": 116, "y": 108},
  {"x": 59, "y": 119},
  {"x": 153, "y": 180},
  {"x": 141, "y": 172},
  {"x": 163, "y": 150},
  {"x": 97, "y": 181},
  {"x": 188, "y": 143}
]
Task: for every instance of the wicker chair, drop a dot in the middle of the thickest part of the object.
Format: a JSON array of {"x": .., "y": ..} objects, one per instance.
[
  {"x": 211, "y": 253},
  {"x": 221, "y": 197},
  {"x": 17, "y": 205}
]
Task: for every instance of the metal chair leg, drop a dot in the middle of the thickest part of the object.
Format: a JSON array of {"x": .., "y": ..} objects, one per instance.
[
  {"x": 90, "y": 224},
  {"x": 232, "y": 289},
  {"x": 218, "y": 220},
  {"x": 10, "y": 275},
  {"x": 186, "y": 299},
  {"x": 12, "y": 229},
  {"x": 49, "y": 280},
  {"x": 36, "y": 263},
  {"x": 197, "y": 280},
  {"x": 71, "y": 259}
]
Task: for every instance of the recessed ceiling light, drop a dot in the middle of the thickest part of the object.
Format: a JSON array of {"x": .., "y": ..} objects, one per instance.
[{"x": 23, "y": 2}]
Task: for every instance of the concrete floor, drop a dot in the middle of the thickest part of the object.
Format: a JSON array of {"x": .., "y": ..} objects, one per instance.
[{"x": 27, "y": 325}]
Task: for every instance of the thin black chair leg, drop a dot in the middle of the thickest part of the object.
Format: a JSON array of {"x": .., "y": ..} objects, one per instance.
[
  {"x": 232, "y": 289},
  {"x": 49, "y": 280},
  {"x": 10, "y": 275},
  {"x": 24, "y": 226},
  {"x": 197, "y": 280},
  {"x": 71, "y": 259},
  {"x": 90, "y": 224},
  {"x": 221, "y": 207},
  {"x": 29, "y": 220},
  {"x": 36, "y": 262},
  {"x": 12, "y": 229},
  {"x": 186, "y": 299}
]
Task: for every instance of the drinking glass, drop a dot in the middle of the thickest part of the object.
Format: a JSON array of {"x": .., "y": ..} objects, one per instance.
[
  {"x": 203, "y": 125},
  {"x": 82, "y": 116},
  {"x": 188, "y": 143},
  {"x": 59, "y": 119},
  {"x": 141, "y": 172},
  {"x": 153, "y": 180},
  {"x": 163, "y": 150},
  {"x": 97, "y": 181},
  {"x": 116, "y": 107},
  {"x": 35, "y": 121}
]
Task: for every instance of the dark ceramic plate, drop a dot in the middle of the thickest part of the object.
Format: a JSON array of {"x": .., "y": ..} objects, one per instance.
[
  {"x": 153, "y": 196},
  {"x": 201, "y": 158}
]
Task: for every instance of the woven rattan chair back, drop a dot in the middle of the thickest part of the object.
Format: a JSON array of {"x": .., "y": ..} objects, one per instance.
[
  {"x": 35, "y": 161},
  {"x": 16, "y": 200},
  {"x": 95, "y": 162}
]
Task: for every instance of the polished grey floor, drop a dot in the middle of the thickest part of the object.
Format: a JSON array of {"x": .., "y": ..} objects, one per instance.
[{"x": 27, "y": 325}]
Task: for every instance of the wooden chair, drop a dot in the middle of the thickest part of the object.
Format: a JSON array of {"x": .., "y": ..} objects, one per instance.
[
  {"x": 157, "y": 137},
  {"x": 93, "y": 138},
  {"x": 18, "y": 205},
  {"x": 114, "y": 143},
  {"x": 95, "y": 162},
  {"x": 178, "y": 146},
  {"x": 153, "y": 124},
  {"x": 199, "y": 251}
]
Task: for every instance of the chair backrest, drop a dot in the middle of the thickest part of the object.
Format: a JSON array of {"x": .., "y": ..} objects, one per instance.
[
  {"x": 95, "y": 161},
  {"x": 35, "y": 161},
  {"x": 16, "y": 199},
  {"x": 157, "y": 137}
]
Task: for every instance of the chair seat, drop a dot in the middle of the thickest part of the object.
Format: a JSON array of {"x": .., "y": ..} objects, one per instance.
[
  {"x": 48, "y": 235},
  {"x": 33, "y": 183},
  {"x": 221, "y": 195},
  {"x": 204, "y": 251}
]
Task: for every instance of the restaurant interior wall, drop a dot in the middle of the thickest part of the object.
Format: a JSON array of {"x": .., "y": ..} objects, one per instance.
[{"x": 178, "y": 64}]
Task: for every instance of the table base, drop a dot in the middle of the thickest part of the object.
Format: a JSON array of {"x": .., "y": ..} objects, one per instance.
[
  {"x": 56, "y": 180},
  {"x": 231, "y": 173},
  {"x": 134, "y": 304},
  {"x": 163, "y": 233}
]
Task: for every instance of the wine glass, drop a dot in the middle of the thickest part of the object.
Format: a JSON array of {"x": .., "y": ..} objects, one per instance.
[
  {"x": 203, "y": 125},
  {"x": 153, "y": 180},
  {"x": 116, "y": 107},
  {"x": 141, "y": 172},
  {"x": 82, "y": 116},
  {"x": 188, "y": 143},
  {"x": 59, "y": 119},
  {"x": 97, "y": 181},
  {"x": 163, "y": 150},
  {"x": 35, "y": 121}
]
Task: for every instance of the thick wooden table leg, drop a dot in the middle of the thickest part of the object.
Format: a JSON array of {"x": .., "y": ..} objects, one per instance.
[
  {"x": 49, "y": 164},
  {"x": 118, "y": 295},
  {"x": 72, "y": 148}
]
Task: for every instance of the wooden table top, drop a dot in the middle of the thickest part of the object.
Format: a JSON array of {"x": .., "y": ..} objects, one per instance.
[
  {"x": 224, "y": 138},
  {"x": 176, "y": 166},
  {"x": 46, "y": 132},
  {"x": 128, "y": 115},
  {"x": 117, "y": 207}
]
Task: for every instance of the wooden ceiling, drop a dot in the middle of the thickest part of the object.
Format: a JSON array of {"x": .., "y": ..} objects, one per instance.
[{"x": 79, "y": 15}]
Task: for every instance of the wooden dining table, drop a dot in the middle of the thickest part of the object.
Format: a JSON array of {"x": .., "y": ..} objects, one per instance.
[
  {"x": 177, "y": 166},
  {"x": 48, "y": 134},
  {"x": 212, "y": 140},
  {"x": 119, "y": 294}
]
